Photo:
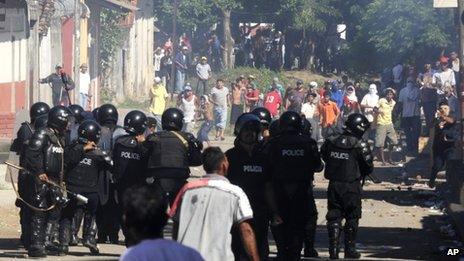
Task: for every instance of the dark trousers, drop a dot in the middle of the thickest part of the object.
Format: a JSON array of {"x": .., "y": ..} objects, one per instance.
[
  {"x": 412, "y": 127},
  {"x": 430, "y": 108},
  {"x": 260, "y": 225},
  {"x": 170, "y": 187},
  {"x": 202, "y": 87},
  {"x": 205, "y": 129},
  {"x": 440, "y": 157},
  {"x": 109, "y": 217},
  {"x": 25, "y": 189},
  {"x": 295, "y": 207},
  {"x": 343, "y": 201}
]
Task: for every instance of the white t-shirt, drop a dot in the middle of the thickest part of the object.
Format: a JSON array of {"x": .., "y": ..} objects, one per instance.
[
  {"x": 219, "y": 96},
  {"x": 157, "y": 64},
  {"x": 84, "y": 83},
  {"x": 308, "y": 109},
  {"x": 203, "y": 71},
  {"x": 371, "y": 101},
  {"x": 409, "y": 96},
  {"x": 444, "y": 78}
]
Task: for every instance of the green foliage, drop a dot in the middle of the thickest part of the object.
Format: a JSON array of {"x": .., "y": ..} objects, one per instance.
[
  {"x": 312, "y": 15},
  {"x": 263, "y": 76}
]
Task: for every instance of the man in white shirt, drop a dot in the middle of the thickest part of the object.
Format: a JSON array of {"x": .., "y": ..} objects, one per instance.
[
  {"x": 445, "y": 78},
  {"x": 410, "y": 118},
  {"x": 204, "y": 73},
  {"x": 84, "y": 87}
]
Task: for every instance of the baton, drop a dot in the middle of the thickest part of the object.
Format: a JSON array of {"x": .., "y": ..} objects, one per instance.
[{"x": 79, "y": 197}]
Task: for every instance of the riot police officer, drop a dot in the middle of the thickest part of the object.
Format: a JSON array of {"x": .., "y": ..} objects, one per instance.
[
  {"x": 44, "y": 159},
  {"x": 293, "y": 160},
  {"x": 348, "y": 160},
  {"x": 249, "y": 169},
  {"x": 76, "y": 118},
  {"x": 108, "y": 212},
  {"x": 37, "y": 112},
  {"x": 265, "y": 118},
  {"x": 84, "y": 163},
  {"x": 171, "y": 152},
  {"x": 129, "y": 155}
]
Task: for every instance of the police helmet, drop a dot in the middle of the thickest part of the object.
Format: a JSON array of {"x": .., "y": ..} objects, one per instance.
[
  {"x": 95, "y": 113},
  {"x": 247, "y": 121},
  {"x": 38, "y": 109},
  {"x": 76, "y": 111},
  {"x": 357, "y": 124},
  {"x": 172, "y": 119},
  {"x": 89, "y": 130},
  {"x": 135, "y": 122},
  {"x": 274, "y": 128},
  {"x": 58, "y": 118},
  {"x": 290, "y": 121},
  {"x": 307, "y": 128},
  {"x": 264, "y": 116},
  {"x": 107, "y": 113},
  {"x": 40, "y": 121}
]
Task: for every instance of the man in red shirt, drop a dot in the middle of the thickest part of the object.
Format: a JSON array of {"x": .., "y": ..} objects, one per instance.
[
  {"x": 272, "y": 101},
  {"x": 251, "y": 97}
]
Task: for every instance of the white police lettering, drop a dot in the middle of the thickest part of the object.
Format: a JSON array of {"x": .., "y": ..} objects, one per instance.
[
  {"x": 251, "y": 168},
  {"x": 57, "y": 150},
  {"x": 86, "y": 161},
  {"x": 293, "y": 153},
  {"x": 130, "y": 155},
  {"x": 339, "y": 155}
]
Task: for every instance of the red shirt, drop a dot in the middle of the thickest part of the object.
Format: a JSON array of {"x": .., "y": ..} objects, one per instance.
[
  {"x": 252, "y": 94},
  {"x": 272, "y": 102}
]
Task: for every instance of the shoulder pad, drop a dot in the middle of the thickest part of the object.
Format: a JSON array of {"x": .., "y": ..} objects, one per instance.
[
  {"x": 126, "y": 140},
  {"x": 38, "y": 139},
  {"x": 365, "y": 149}
]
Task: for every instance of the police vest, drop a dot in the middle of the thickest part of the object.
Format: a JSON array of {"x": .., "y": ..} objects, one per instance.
[
  {"x": 129, "y": 166},
  {"x": 167, "y": 151},
  {"x": 341, "y": 157},
  {"x": 84, "y": 176},
  {"x": 54, "y": 152}
]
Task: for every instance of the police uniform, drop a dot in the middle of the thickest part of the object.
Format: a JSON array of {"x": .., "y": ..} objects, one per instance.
[
  {"x": 82, "y": 177},
  {"x": 251, "y": 173},
  {"x": 293, "y": 160},
  {"x": 348, "y": 160},
  {"x": 170, "y": 154},
  {"x": 44, "y": 154}
]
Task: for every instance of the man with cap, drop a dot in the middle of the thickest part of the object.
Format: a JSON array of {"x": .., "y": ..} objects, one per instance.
[
  {"x": 181, "y": 63},
  {"x": 158, "y": 97},
  {"x": 84, "y": 87},
  {"x": 203, "y": 71},
  {"x": 296, "y": 98},
  {"x": 188, "y": 103},
  {"x": 60, "y": 84}
]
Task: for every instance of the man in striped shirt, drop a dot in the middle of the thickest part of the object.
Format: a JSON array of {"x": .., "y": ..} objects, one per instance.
[{"x": 205, "y": 210}]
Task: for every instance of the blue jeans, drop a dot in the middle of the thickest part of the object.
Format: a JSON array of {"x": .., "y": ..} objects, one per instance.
[
  {"x": 412, "y": 128},
  {"x": 205, "y": 128},
  {"x": 180, "y": 81},
  {"x": 83, "y": 100}
]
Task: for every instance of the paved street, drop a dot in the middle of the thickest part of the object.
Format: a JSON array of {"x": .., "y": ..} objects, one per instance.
[{"x": 399, "y": 222}]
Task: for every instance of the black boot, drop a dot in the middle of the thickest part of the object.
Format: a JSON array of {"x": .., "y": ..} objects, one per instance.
[
  {"x": 310, "y": 233},
  {"x": 51, "y": 238},
  {"x": 37, "y": 247},
  {"x": 351, "y": 229},
  {"x": 75, "y": 226},
  {"x": 65, "y": 236},
  {"x": 334, "y": 236},
  {"x": 89, "y": 232}
]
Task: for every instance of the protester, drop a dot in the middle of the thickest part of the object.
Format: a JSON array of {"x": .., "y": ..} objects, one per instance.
[
  {"x": 206, "y": 114},
  {"x": 205, "y": 210},
  {"x": 165, "y": 70},
  {"x": 275, "y": 84},
  {"x": 310, "y": 111},
  {"x": 145, "y": 217},
  {"x": 188, "y": 103},
  {"x": 157, "y": 61},
  {"x": 445, "y": 77},
  {"x": 181, "y": 63},
  {"x": 369, "y": 102},
  {"x": 428, "y": 96},
  {"x": 410, "y": 116},
  {"x": 329, "y": 113},
  {"x": 220, "y": 98},
  {"x": 397, "y": 72},
  {"x": 237, "y": 101},
  {"x": 295, "y": 98},
  {"x": 84, "y": 87},
  {"x": 385, "y": 127},
  {"x": 350, "y": 102},
  {"x": 158, "y": 98},
  {"x": 203, "y": 71},
  {"x": 251, "y": 97},
  {"x": 273, "y": 101},
  {"x": 61, "y": 84}
]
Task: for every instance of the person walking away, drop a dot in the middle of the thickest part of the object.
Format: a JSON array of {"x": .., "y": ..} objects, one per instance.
[
  {"x": 369, "y": 103},
  {"x": 187, "y": 104},
  {"x": 206, "y": 112},
  {"x": 203, "y": 71},
  {"x": 385, "y": 128},
  {"x": 84, "y": 87},
  {"x": 220, "y": 98},
  {"x": 84, "y": 163},
  {"x": 348, "y": 160},
  {"x": 443, "y": 145},
  {"x": 181, "y": 63},
  {"x": 158, "y": 98},
  {"x": 146, "y": 228},
  {"x": 170, "y": 154},
  {"x": 237, "y": 101},
  {"x": 410, "y": 116},
  {"x": 329, "y": 113},
  {"x": 428, "y": 96},
  {"x": 205, "y": 224},
  {"x": 310, "y": 111}
]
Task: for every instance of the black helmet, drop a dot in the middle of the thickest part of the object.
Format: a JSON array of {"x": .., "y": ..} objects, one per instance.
[
  {"x": 357, "y": 124},
  {"x": 247, "y": 121},
  {"x": 172, "y": 119},
  {"x": 274, "y": 128},
  {"x": 89, "y": 130},
  {"x": 76, "y": 111},
  {"x": 135, "y": 122},
  {"x": 38, "y": 109},
  {"x": 58, "y": 118},
  {"x": 95, "y": 113},
  {"x": 306, "y": 129},
  {"x": 290, "y": 121},
  {"x": 264, "y": 116},
  {"x": 40, "y": 121},
  {"x": 107, "y": 113}
]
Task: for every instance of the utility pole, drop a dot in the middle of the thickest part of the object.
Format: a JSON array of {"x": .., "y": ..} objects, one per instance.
[{"x": 174, "y": 47}]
